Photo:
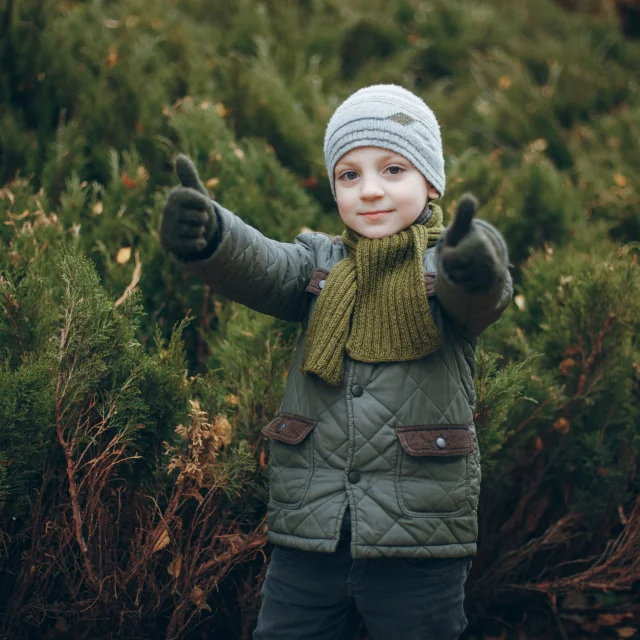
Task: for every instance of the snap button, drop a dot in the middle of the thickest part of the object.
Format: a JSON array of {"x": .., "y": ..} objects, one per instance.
[
  {"x": 321, "y": 284},
  {"x": 357, "y": 390},
  {"x": 354, "y": 476},
  {"x": 281, "y": 427},
  {"x": 440, "y": 443}
]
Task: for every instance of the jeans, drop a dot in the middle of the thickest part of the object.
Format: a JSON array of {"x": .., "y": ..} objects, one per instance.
[{"x": 323, "y": 596}]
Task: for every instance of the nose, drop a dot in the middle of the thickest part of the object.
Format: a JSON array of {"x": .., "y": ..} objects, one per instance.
[{"x": 370, "y": 188}]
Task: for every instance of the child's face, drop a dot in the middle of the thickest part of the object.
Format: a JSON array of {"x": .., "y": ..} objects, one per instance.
[{"x": 379, "y": 192}]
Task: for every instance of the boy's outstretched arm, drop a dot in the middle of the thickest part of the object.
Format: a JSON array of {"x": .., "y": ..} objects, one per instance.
[
  {"x": 473, "y": 283},
  {"x": 230, "y": 256}
]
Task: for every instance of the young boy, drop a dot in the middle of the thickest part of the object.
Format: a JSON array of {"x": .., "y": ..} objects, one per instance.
[{"x": 374, "y": 466}]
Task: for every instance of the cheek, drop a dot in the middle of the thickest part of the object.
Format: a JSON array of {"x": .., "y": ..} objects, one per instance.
[{"x": 344, "y": 202}]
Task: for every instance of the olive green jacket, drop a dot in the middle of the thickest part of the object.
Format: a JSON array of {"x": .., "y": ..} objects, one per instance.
[{"x": 395, "y": 442}]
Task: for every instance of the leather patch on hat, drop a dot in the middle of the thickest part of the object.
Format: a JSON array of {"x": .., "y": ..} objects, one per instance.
[{"x": 402, "y": 118}]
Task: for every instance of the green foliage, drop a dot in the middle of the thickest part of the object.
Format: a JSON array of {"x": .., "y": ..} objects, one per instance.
[{"x": 575, "y": 314}]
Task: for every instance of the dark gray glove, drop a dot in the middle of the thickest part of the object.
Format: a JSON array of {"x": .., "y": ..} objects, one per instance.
[
  {"x": 469, "y": 254},
  {"x": 189, "y": 226}
]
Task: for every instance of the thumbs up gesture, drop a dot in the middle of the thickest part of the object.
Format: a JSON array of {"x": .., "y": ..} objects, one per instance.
[
  {"x": 188, "y": 225},
  {"x": 468, "y": 254}
]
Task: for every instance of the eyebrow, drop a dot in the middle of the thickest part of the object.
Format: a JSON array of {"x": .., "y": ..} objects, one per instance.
[{"x": 387, "y": 156}]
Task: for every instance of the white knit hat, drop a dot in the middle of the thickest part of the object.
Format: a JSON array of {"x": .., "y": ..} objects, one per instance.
[{"x": 390, "y": 117}]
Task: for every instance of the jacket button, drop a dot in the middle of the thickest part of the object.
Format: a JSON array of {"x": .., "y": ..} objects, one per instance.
[
  {"x": 281, "y": 427},
  {"x": 441, "y": 443},
  {"x": 357, "y": 390},
  {"x": 321, "y": 284},
  {"x": 354, "y": 476}
]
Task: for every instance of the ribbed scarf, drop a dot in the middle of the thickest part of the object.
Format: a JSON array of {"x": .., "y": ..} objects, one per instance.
[{"x": 374, "y": 303}]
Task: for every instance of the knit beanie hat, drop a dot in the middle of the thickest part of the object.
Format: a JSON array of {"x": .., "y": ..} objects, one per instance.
[{"x": 390, "y": 117}]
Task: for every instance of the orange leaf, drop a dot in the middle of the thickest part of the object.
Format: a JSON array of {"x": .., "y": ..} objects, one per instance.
[
  {"x": 112, "y": 59},
  {"x": 565, "y": 365},
  {"x": 262, "y": 459},
  {"x": 128, "y": 182},
  {"x": 562, "y": 425},
  {"x": 123, "y": 255},
  {"x": 620, "y": 180},
  {"x": 504, "y": 82}
]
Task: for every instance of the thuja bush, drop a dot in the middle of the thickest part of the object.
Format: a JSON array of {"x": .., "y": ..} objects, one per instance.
[
  {"x": 566, "y": 466},
  {"x": 121, "y": 476}
]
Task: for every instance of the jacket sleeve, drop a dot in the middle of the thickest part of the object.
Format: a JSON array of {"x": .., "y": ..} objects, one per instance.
[
  {"x": 260, "y": 273},
  {"x": 473, "y": 313}
]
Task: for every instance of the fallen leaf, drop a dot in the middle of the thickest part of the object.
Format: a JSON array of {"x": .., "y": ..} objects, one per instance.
[
  {"x": 212, "y": 183},
  {"x": 565, "y": 365},
  {"x": 239, "y": 153},
  {"x": 620, "y": 180},
  {"x": 263, "y": 462},
  {"x": 123, "y": 255},
  {"x": 162, "y": 541},
  {"x": 627, "y": 632},
  {"x": 504, "y": 82},
  {"x": 175, "y": 566},
  {"x": 198, "y": 596},
  {"x": 610, "y": 619},
  {"x": 590, "y": 627},
  {"x": 97, "y": 208},
  {"x": 520, "y": 302},
  {"x": 221, "y": 110}
]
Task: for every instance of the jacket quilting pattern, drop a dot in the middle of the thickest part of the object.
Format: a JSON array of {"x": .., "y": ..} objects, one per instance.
[{"x": 395, "y": 441}]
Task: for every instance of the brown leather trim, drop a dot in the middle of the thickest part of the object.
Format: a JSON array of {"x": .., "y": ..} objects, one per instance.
[
  {"x": 318, "y": 275},
  {"x": 421, "y": 440},
  {"x": 430, "y": 283},
  {"x": 295, "y": 430}
]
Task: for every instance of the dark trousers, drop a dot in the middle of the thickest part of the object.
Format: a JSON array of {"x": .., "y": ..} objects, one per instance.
[{"x": 323, "y": 596}]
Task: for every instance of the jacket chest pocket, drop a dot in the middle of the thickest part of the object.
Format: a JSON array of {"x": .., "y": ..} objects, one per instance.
[
  {"x": 291, "y": 459},
  {"x": 432, "y": 469}
]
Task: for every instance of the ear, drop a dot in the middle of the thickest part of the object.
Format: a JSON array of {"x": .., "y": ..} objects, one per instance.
[{"x": 432, "y": 193}]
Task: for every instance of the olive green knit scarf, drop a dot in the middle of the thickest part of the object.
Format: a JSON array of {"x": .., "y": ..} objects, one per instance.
[{"x": 374, "y": 304}]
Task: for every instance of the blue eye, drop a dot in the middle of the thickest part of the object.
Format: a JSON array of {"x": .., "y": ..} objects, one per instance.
[
  {"x": 349, "y": 175},
  {"x": 394, "y": 171}
]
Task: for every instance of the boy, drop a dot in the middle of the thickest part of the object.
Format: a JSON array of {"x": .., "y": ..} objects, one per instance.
[{"x": 374, "y": 466}]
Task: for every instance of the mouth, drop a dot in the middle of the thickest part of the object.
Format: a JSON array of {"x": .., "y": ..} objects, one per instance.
[{"x": 375, "y": 213}]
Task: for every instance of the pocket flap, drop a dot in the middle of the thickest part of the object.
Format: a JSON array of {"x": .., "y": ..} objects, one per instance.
[
  {"x": 319, "y": 275},
  {"x": 437, "y": 440},
  {"x": 289, "y": 428}
]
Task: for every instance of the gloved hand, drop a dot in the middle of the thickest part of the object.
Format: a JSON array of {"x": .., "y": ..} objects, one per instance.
[
  {"x": 188, "y": 227},
  {"x": 468, "y": 254}
]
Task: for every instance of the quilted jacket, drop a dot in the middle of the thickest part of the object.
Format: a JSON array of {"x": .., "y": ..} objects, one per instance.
[{"x": 395, "y": 442}]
